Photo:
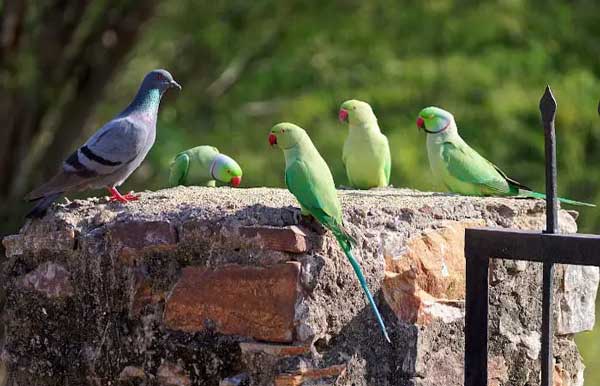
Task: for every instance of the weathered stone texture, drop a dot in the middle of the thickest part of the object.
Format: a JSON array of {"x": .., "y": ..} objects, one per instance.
[{"x": 232, "y": 287}]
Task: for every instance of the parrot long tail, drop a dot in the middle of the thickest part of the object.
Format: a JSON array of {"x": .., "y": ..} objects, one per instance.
[
  {"x": 542, "y": 196},
  {"x": 345, "y": 242},
  {"x": 42, "y": 204}
]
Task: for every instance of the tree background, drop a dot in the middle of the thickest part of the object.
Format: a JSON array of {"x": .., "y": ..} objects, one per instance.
[{"x": 67, "y": 66}]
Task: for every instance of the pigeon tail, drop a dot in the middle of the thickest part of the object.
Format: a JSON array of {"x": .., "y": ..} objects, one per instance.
[
  {"x": 59, "y": 184},
  {"x": 42, "y": 205}
]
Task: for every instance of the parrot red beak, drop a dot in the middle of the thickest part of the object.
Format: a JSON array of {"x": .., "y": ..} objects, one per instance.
[
  {"x": 272, "y": 139},
  {"x": 343, "y": 115},
  {"x": 236, "y": 181},
  {"x": 420, "y": 123}
]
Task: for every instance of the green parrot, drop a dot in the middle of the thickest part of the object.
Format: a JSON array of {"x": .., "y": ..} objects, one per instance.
[
  {"x": 461, "y": 168},
  {"x": 203, "y": 165},
  {"x": 366, "y": 152},
  {"x": 309, "y": 179}
]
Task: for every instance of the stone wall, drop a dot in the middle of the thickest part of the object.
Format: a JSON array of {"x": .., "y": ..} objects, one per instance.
[{"x": 200, "y": 286}]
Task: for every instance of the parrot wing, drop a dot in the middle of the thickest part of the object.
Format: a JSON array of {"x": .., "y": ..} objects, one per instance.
[
  {"x": 320, "y": 201},
  {"x": 179, "y": 169},
  {"x": 465, "y": 164}
]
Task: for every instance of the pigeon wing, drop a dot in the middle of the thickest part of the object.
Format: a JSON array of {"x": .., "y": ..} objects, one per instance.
[{"x": 106, "y": 152}]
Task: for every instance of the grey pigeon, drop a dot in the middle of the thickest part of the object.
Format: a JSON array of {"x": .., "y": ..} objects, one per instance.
[{"x": 113, "y": 152}]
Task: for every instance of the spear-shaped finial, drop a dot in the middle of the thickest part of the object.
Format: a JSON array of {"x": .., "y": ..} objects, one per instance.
[
  {"x": 548, "y": 106},
  {"x": 548, "y": 110}
]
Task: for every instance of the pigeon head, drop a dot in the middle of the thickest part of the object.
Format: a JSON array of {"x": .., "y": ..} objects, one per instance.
[
  {"x": 356, "y": 112},
  {"x": 161, "y": 80},
  {"x": 434, "y": 120},
  {"x": 286, "y": 135},
  {"x": 225, "y": 169}
]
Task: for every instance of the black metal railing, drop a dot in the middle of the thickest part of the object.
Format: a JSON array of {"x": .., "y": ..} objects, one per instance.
[{"x": 548, "y": 248}]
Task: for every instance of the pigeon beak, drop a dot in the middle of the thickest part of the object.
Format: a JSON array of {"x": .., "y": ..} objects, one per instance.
[
  {"x": 236, "y": 181},
  {"x": 420, "y": 123},
  {"x": 272, "y": 139},
  {"x": 343, "y": 115},
  {"x": 175, "y": 85}
]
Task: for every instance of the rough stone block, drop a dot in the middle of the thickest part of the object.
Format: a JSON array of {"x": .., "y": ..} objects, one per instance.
[
  {"x": 170, "y": 374},
  {"x": 50, "y": 279},
  {"x": 211, "y": 297},
  {"x": 310, "y": 374},
  {"x": 426, "y": 279},
  {"x": 285, "y": 239},
  {"x": 249, "y": 301},
  {"x": 52, "y": 242},
  {"x": 277, "y": 350}
]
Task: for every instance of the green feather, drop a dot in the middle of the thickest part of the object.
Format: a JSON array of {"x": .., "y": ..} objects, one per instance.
[
  {"x": 179, "y": 169},
  {"x": 309, "y": 179},
  {"x": 542, "y": 196},
  {"x": 366, "y": 153},
  {"x": 462, "y": 169}
]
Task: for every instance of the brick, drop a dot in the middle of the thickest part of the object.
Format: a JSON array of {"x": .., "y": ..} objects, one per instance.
[
  {"x": 132, "y": 240},
  {"x": 240, "y": 300},
  {"x": 285, "y": 239}
]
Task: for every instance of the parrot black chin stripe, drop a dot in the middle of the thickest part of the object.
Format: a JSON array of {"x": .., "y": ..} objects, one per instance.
[
  {"x": 439, "y": 131},
  {"x": 96, "y": 158}
]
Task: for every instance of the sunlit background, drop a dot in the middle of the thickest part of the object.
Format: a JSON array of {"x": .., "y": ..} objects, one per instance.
[{"x": 68, "y": 66}]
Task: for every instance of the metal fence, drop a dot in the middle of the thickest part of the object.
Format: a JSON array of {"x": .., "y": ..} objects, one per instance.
[{"x": 547, "y": 247}]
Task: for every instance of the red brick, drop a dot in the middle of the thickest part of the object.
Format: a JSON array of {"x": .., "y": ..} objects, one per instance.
[
  {"x": 285, "y": 239},
  {"x": 132, "y": 240},
  {"x": 240, "y": 300}
]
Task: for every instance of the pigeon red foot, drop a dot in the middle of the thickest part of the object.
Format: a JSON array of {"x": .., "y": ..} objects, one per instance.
[{"x": 116, "y": 196}]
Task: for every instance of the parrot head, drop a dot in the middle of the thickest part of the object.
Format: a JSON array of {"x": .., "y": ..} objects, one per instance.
[
  {"x": 225, "y": 169},
  {"x": 161, "y": 80},
  {"x": 286, "y": 135},
  {"x": 355, "y": 111},
  {"x": 434, "y": 120}
]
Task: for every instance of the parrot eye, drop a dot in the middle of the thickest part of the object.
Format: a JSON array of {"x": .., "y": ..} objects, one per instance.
[{"x": 283, "y": 130}]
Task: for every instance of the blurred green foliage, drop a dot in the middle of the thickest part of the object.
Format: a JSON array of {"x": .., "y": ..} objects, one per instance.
[
  {"x": 246, "y": 65},
  {"x": 487, "y": 62}
]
